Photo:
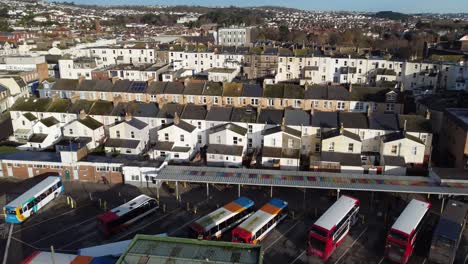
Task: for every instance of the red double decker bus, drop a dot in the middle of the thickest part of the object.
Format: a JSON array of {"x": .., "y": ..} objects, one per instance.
[
  {"x": 332, "y": 227},
  {"x": 402, "y": 236}
]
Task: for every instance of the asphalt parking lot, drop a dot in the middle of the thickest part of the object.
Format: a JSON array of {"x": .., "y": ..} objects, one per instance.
[{"x": 69, "y": 229}]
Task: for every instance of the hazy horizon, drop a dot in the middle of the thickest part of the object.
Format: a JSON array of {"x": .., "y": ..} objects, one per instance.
[{"x": 403, "y": 6}]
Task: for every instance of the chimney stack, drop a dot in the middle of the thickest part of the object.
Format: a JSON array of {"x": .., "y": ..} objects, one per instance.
[
  {"x": 128, "y": 116},
  {"x": 428, "y": 114},
  {"x": 176, "y": 118},
  {"x": 404, "y": 125},
  {"x": 114, "y": 79},
  {"x": 341, "y": 129},
  {"x": 83, "y": 114},
  {"x": 81, "y": 79}
]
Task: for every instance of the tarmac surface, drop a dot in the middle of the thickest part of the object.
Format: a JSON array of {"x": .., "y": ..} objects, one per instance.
[{"x": 68, "y": 229}]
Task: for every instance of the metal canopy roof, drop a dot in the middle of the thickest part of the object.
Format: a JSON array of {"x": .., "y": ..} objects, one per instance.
[{"x": 313, "y": 180}]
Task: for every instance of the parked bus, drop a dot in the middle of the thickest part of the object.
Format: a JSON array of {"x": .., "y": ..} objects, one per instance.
[
  {"x": 114, "y": 220},
  {"x": 222, "y": 219},
  {"x": 332, "y": 227},
  {"x": 27, "y": 204},
  {"x": 404, "y": 232},
  {"x": 258, "y": 225},
  {"x": 448, "y": 233}
]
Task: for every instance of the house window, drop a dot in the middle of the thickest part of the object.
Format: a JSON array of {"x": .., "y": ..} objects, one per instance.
[
  {"x": 234, "y": 140},
  {"x": 249, "y": 142},
  {"x": 135, "y": 178},
  {"x": 340, "y": 106},
  {"x": 318, "y": 134},
  {"x": 229, "y": 100},
  {"x": 190, "y": 99},
  {"x": 331, "y": 147},
  {"x": 215, "y": 100},
  {"x": 271, "y": 102},
  {"x": 362, "y": 134},
  {"x": 297, "y": 103},
  {"x": 250, "y": 128},
  {"x": 218, "y": 139},
  {"x": 273, "y": 142},
  {"x": 199, "y": 125},
  {"x": 117, "y": 134},
  {"x": 394, "y": 149},
  {"x": 199, "y": 139},
  {"x": 316, "y": 103},
  {"x": 182, "y": 138},
  {"x": 424, "y": 138},
  {"x": 176, "y": 155},
  {"x": 254, "y": 101},
  {"x": 350, "y": 147},
  {"x": 162, "y": 154},
  {"x": 414, "y": 151},
  {"x": 290, "y": 143},
  {"x": 70, "y": 131},
  {"x": 317, "y": 147},
  {"x": 132, "y": 134},
  {"x": 390, "y": 107},
  {"x": 204, "y": 99},
  {"x": 166, "y": 136}
]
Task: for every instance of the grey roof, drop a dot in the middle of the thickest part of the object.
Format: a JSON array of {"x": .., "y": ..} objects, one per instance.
[
  {"x": 49, "y": 121},
  {"x": 121, "y": 86},
  {"x": 224, "y": 149},
  {"x": 270, "y": 116},
  {"x": 192, "y": 111},
  {"x": 415, "y": 123},
  {"x": 400, "y": 135},
  {"x": 37, "y": 138},
  {"x": 180, "y": 124},
  {"x": 32, "y": 156},
  {"x": 156, "y": 88},
  {"x": 137, "y": 123},
  {"x": 284, "y": 129},
  {"x": 229, "y": 126},
  {"x": 271, "y": 152},
  {"x": 217, "y": 113},
  {"x": 347, "y": 159},
  {"x": 296, "y": 117},
  {"x": 353, "y": 120},
  {"x": 325, "y": 119},
  {"x": 169, "y": 110},
  {"x": 337, "y": 132},
  {"x": 122, "y": 143},
  {"x": 163, "y": 145},
  {"x": 394, "y": 161},
  {"x": 180, "y": 149},
  {"x": 143, "y": 109},
  {"x": 174, "y": 88},
  {"x": 244, "y": 114},
  {"x": 320, "y": 92},
  {"x": 194, "y": 88},
  {"x": 382, "y": 121},
  {"x": 252, "y": 90}
]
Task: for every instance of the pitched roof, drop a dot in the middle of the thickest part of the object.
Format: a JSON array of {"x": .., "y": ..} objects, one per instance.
[
  {"x": 394, "y": 161},
  {"x": 270, "y": 116},
  {"x": 232, "y": 89},
  {"x": 213, "y": 88},
  {"x": 353, "y": 120},
  {"x": 174, "y": 88},
  {"x": 252, "y": 90},
  {"x": 293, "y": 91},
  {"x": 224, "y": 149},
  {"x": 400, "y": 135},
  {"x": 273, "y": 91},
  {"x": 37, "y": 138},
  {"x": 169, "y": 110},
  {"x": 229, "y": 126},
  {"x": 285, "y": 129},
  {"x": 382, "y": 121},
  {"x": 122, "y": 143},
  {"x": 347, "y": 159},
  {"x": 325, "y": 119},
  {"x": 194, "y": 88},
  {"x": 218, "y": 113},
  {"x": 337, "y": 132},
  {"x": 138, "y": 124},
  {"x": 49, "y": 121},
  {"x": 30, "y": 116},
  {"x": 192, "y": 111},
  {"x": 296, "y": 117},
  {"x": 90, "y": 123},
  {"x": 244, "y": 114},
  {"x": 415, "y": 123}
]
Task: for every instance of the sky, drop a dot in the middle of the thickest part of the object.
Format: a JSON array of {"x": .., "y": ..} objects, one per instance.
[{"x": 405, "y": 6}]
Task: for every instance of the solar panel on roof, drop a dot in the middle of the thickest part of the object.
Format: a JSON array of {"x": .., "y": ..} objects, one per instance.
[{"x": 138, "y": 86}]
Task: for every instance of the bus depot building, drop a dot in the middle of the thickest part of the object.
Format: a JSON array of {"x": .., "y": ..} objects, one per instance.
[{"x": 154, "y": 249}]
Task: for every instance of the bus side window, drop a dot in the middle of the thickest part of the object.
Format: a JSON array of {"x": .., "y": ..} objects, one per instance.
[{"x": 59, "y": 184}]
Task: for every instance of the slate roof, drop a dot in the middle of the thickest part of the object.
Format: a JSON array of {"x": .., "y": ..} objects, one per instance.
[
  {"x": 163, "y": 145},
  {"x": 400, "y": 135},
  {"x": 169, "y": 110},
  {"x": 296, "y": 117},
  {"x": 218, "y": 113},
  {"x": 30, "y": 116},
  {"x": 284, "y": 129},
  {"x": 194, "y": 88},
  {"x": 37, "y": 138},
  {"x": 122, "y": 143},
  {"x": 394, "y": 161},
  {"x": 49, "y": 121},
  {"x": 229, "y": 126},
  {"x": 353, "y": 120},
  {"x": 232, "y": 89},
  {"x": 270, "y": 116},
  {"x": 90, "y": 123},
  {"x": 252, "y": 90},
  {"x": 244, "y": 115},
  {"x": 224, "y": 149},
  {"x": 197, "y": 112},
  {"x": 345, "y": 159},
  {"x": 174, "y": 88},
  {"x": 415, "y": 123},
  {"x": 325, "y": 119},
  {"x": 323, "y": 92},
  {"x": 337, "y": 132},
  {"x": 382, "y": 121},
  {"x": 213, "y": 88},
  {"x": 138, "y": 124}
]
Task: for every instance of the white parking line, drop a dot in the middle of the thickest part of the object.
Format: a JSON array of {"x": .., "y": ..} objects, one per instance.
[
  {"x": 298, "y": 257},
  {"x": 354, "y": 242},
  {"x": 424, "y": 260},
  {"x": 63, "y": 230},
  {"x": 48, "y": 219},
  {"x": 383, "y": 258},
  {"x": 280, "y": 236},
  {"x": 184, "y": 225}
]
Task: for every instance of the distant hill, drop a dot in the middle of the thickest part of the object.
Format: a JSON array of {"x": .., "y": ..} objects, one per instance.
[{"x": 391, "y": 15}]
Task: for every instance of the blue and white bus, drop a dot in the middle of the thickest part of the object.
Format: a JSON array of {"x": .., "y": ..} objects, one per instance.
[{"x": 20, "y": 209}]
